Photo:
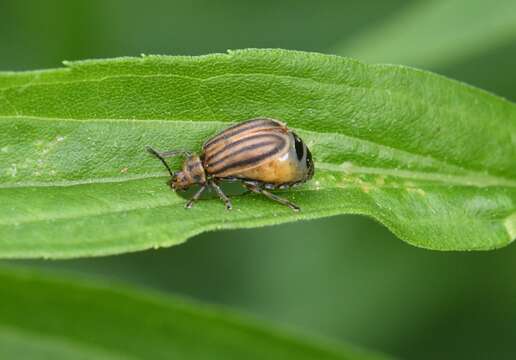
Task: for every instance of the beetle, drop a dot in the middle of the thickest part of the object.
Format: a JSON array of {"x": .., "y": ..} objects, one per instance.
[{"x": 262, "y": 153}]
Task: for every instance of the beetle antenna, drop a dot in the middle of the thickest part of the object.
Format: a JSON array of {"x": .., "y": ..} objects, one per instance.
[{"x": 158, "y": 155}]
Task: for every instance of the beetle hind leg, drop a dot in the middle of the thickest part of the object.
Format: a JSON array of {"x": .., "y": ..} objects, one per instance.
[
  {"x": 196, "y": 197},
  {"x": 221, "y": 195},
  {"x": 258, "y": 190}
]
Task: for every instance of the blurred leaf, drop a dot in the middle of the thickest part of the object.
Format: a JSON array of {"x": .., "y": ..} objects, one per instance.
[
  {"x": 493, "y": 71},
  {"x": 32, "y": 36},
  {"x": 430, "y": 158},
  {"x": 57, "y": 319},
  {"x": 432, "y": 33}
]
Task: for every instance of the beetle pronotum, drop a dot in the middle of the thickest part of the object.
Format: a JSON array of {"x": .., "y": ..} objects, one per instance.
[{"x": 261, "y": 153}]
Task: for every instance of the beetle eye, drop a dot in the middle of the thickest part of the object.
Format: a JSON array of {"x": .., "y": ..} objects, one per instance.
[{"x": 299, "y": 147}]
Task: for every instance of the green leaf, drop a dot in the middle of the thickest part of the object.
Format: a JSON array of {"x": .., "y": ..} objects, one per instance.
[
  {"x": 430, "y": 34},
  {"x": 432, "y": 159},
  {"x": 43, "y": 317}
]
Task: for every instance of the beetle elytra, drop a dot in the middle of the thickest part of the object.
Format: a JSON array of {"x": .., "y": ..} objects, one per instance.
[{"x": 261, "y": 153}]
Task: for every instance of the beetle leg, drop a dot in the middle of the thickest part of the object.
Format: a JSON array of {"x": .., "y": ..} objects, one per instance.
[
  {"x": 196, "y": 197},
  {"x": 221, "y": 195},
  {"x": 258, "y": 190}
]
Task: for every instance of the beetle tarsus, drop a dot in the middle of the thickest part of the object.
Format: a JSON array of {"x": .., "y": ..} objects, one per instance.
[
  {"x": 221, "y": 195},
  {"x": 258, "y": 190},
  {"x": 196, "y": 197}
]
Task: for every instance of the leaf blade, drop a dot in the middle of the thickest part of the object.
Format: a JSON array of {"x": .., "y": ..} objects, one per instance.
[{"x": 388, "y": 141}]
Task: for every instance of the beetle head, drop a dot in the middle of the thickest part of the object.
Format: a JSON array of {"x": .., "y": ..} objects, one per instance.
[
  {"x": 180, "y": 181},
  {"x": 192, "y": 173}
]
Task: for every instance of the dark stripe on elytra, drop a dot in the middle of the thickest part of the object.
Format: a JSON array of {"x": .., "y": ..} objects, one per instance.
[
  {"x": 226, "y": 135},
  {"x": 242, "y": 150},
  {"x": 239, "y": 128},
  {"x": 248, "y": 161},
  {"x": 251, "y": 138}
]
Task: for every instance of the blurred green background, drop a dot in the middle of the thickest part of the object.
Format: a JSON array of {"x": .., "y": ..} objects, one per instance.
[{"x": 345, "y": 277}]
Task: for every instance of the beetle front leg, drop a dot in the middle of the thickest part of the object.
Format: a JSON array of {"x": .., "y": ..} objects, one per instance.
[
  {"x": 221, "y": 195},
  {"x": 258, "y": 190},
  {"x": 196, "y": 197}
]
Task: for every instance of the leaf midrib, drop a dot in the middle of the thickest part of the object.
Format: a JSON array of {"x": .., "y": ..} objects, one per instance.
[
  {"x": 437, "y": 179},
  {"x": 473, "y": 180},
  {"x": 467, "y": 178},
  {"x": 225, "y": 123}
]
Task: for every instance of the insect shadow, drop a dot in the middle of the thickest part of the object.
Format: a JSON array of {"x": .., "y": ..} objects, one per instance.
[{"x": 230, "y": 188}]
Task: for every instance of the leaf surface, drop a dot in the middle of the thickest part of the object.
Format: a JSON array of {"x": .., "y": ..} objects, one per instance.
[{"x": 432, "y": 159}]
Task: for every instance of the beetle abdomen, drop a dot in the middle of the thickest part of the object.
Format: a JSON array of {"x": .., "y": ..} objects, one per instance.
[{"x": 275, "y": 172}]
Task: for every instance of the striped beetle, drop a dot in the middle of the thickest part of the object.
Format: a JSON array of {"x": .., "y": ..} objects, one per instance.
[{"x": 261, "y": 153}]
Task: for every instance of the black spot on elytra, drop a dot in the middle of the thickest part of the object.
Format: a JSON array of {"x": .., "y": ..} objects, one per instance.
[
  {"x": 299, "y": 147},
  {"x": 309, "y": 162}
]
